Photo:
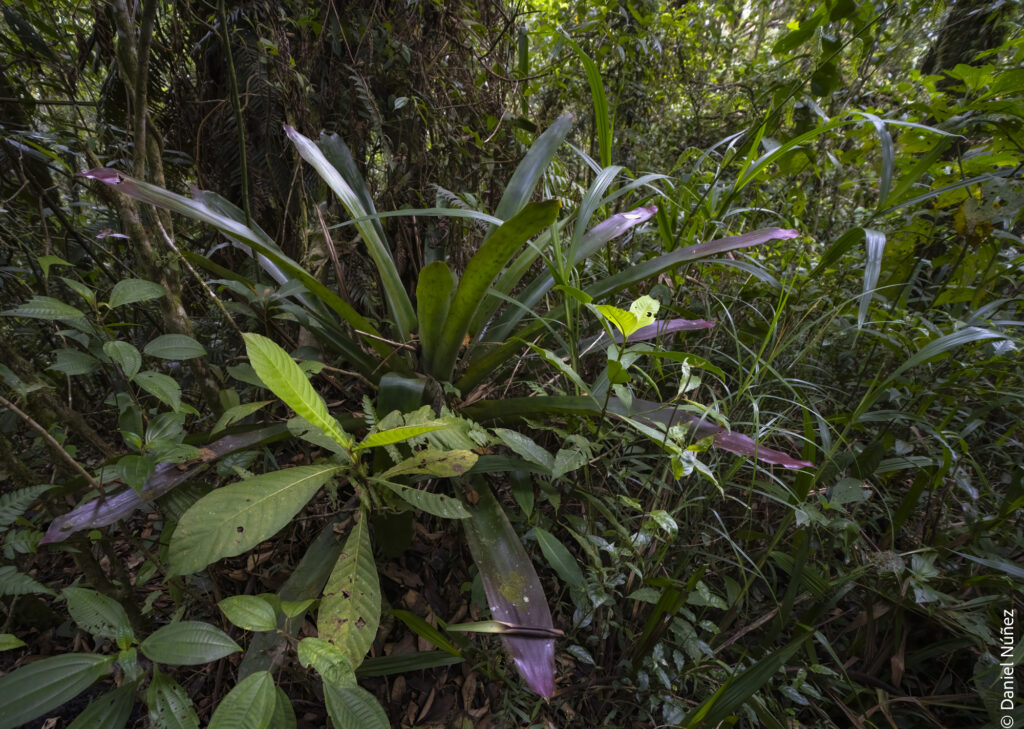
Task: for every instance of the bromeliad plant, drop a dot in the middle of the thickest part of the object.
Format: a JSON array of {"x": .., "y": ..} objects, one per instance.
[{"x": 448, "y": 346}]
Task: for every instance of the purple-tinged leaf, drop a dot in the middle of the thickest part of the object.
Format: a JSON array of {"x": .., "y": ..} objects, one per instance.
[
  {"x": 650, "y": 269},
  {"x": 103, "y": 512},
  {"x": 742, "y": 445},
  {"x": 594, "y": 240},
  {"x": 514, "y": 592},
  {"x": 665, "y": 326},
  {"x": 644, "y": 411}
]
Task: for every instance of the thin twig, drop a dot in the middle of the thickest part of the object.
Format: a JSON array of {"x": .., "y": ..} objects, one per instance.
[{"x": 52, "y": 442}]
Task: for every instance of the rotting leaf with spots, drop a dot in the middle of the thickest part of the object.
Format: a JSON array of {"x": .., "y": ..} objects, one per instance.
[
  {"x": 350, "y": 610},
  {"x": 514, "y": 592}
]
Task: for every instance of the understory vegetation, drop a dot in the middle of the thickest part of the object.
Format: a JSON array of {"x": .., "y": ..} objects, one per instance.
[{"x": 511, "y": 364}]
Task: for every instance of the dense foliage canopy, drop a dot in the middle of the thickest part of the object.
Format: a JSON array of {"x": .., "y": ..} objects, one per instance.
[{"x": 675, "y": 343}]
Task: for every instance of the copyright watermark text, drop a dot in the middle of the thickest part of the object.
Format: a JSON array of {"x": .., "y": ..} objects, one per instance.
[{"x": 1007, "y": 679}]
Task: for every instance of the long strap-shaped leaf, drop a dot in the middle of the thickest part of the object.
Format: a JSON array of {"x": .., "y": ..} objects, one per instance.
[
  {"x": 434, "y": 291},
  {"x": 104, "y": 511},
  {"x": 593, "y": 241},
  {"x": 482, "y": 366},
  {"x": 480, "y": 272},
  {"x": 528, "y": 173},
  {"x": 642, "y": 411},
  {"x": 394, "y": 292},
  {"x": 199, "y": 210},
  {"x": 514, "y": 592}
]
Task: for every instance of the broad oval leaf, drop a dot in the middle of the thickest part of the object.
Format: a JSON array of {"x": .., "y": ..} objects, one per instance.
[
  {"x": 169, "y": 705},
  {"x": 354, "y": 707},
  {"x": 284, "y": 713},
  {"x": 329, "y": 661},
  {"x": 109, "y": 711},
  {"x": 249, "y": 612},
  {"x": 249, "y": 705},
  {"x": 525, "y": 447},
  {"x": 560, "y": 558},
  {"x": 9, "y": 642},
  {"x": 98, "y": 614},
  {"x": 350, "y": 609},
  {"x": 46, "y": 308},
  {"x": 287, "y": 380},
  {"x": 72, "y": 362},
  {"x": 175, "y": 346},
  {"x": 439, "y": 505},
  {"x": 13, "y": 582},
  {"x": 235, "y": 518},
  {"x": 161, "y": 386},
  {"x": 32, "y": 690},
  {"x": 432, "y": 462},
  {"x": 125, "y": 355},
  {"x": 134, "y": 290},
  {"x": 188, "y": 643}
]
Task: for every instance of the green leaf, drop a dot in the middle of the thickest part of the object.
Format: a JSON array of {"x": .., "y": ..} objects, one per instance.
[
  {"x": 109, "y": 711},
  {"x": 46, "y": 261},
  {"x": 480, "y": 272},
  {"x": 188, "y": 643},
  {"x": 394, "y": 291},
  {"x": 249, "y": 612},
  {"x": 284, "y": 714},
  {"x": 434, "y": 291},
  {"x": 235, "y": 518},
  {"x": 402, "y": 433},
  {"x": 1008, "y": 568},
  {"x": 169, "y": 705},
  {"x": 524, "y": 446},
  {"x": 99, "y": 614},
  {"x": 555, "y": 361},
  {"x": 432, "y": 462},
  {"x": 161, "y": 386},
  {"x": 214, "y": 210},
  {"x": 236, "y": 413},
  {"x": 135, "y": 470},
  {"x": 13, "y": 582},
  {"x": 427, "y": 631},
  {"x": 249, "y": 705},
  {"x": 528, "y": 172},
  {"x": 9, "y": 642},
  {"x": 329, "y": 661},
  {"x": 560, "y": 558},
  {"x": 32, "y": 690},
  {"x": 45, "y": 308},
  {"x": 175, "y": 346},
  {"x": 125, "y": 355},
  {"x": 439, "y": 505},
  {"x": 350, "y": 609},
  {"x": 354, "y": 708},
  {"x": 602, "y": 115},
  {"x": 73, "y": 362},
  {"x": 134, "y": 290},
  {"x": 14, "y": 503},
  {"x": 286, "y": 380},
  {"x": 623, "y": 320}
]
